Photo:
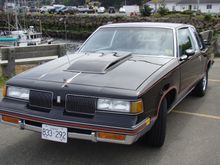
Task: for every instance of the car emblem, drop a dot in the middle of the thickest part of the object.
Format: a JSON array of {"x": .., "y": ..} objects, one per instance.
[{"x": 58, "y": 99}]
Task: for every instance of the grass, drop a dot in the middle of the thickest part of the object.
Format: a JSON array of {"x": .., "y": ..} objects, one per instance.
[
  {"x": 2, "y": 81},
  {"x": 18, "y": 69}
]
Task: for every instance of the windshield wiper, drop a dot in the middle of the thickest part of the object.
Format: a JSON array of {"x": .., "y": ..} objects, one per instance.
[{"x": 146, "y": 62}]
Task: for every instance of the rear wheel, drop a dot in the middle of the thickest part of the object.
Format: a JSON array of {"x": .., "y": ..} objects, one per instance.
[
  {"x": 201, "y": 87},
  {"x": 156, "y": 136}
]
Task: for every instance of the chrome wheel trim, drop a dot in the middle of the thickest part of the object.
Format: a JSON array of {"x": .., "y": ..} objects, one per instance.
[{"x": 204, "y": 83}]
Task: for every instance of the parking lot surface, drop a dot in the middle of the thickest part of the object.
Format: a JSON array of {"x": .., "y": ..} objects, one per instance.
[{"x": 193, "y": 137}]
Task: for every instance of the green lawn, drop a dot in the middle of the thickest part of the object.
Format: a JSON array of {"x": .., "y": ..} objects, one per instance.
[{"x": 2, "y": 81}]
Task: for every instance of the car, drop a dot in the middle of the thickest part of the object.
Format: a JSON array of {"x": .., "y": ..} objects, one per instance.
[
  {"x": 118, "y": 87},
  {"x": 101, "y": 10},
  {"x": 59, "y": 10},
  {"x": 82, "y": 9},
  {"x": 44, "y": 9},
  {"x": 122, "y": 10},
  {"x": 55, "y": 8},
  {"x": 111, "y": 10},
  {"x": 68, "y": 10},
  {"x": 33, "y": 9}
]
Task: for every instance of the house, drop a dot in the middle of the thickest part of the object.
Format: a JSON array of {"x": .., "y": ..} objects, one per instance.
[
  {"x": 9, "y": 6},
  {"x": 205, "y": 6},
  {"x": 171, "y": 5}
]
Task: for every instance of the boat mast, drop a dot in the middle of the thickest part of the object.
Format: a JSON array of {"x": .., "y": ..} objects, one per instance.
[
  {"x": 16, "y": 15},
  {"x": 8, "y": 17}
]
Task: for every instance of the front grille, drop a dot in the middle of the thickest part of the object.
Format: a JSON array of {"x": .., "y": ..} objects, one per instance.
[
  {"x": 80, "y": 104},
  {"x": 40, "y": 99}
]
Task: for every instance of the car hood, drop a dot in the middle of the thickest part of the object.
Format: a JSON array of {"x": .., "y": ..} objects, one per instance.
[{"x": 113, "y": 70}]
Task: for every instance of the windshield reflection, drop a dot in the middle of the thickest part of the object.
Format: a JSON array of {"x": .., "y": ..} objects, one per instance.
[{"x": 145, "y": 41}]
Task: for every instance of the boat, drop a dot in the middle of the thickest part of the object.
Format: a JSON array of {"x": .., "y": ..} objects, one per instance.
[{"x": 25, "y": 37}]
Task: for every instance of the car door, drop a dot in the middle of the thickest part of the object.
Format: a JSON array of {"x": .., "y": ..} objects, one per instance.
[{"x": 190, "y": 68}]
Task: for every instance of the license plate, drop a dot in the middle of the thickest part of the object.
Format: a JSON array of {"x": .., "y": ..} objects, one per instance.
[{"x": 53, "y": 133}]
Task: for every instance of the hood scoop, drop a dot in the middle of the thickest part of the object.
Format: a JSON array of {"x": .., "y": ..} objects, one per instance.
[{"x": 98, "y": 62}]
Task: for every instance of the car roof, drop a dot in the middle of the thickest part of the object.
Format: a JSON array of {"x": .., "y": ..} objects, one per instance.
[{"x": 146, "y": 24}]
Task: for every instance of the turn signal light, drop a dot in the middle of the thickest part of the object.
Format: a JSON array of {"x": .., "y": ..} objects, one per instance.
[
  {"x": 137, "y": 107},
  {"x": 111, "y": 136},
  {"x": 10, "y": 119},
  {"x": 4, "y": 91}
]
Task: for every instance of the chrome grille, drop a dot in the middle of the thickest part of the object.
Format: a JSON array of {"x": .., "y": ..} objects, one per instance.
[
  {"x": 80, "y": 104},
  {"x": 41, "y": 99}
]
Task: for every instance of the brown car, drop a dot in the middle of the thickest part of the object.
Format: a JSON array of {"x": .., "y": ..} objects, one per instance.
[{"x": 118, "y": 87}]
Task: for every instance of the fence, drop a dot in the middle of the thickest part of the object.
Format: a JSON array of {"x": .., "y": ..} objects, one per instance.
[{"x": 12, "y": 56}]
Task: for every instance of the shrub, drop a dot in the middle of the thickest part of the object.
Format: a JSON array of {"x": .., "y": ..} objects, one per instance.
[
  {"x": 146, "y": 11},
  {"x": 163, "y": 11},
  {"x": 188, "y": 12},
  {"x": 208, "y": 17}
]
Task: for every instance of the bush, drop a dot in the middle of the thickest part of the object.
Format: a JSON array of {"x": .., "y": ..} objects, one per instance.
[
  {"x": 188, "y": 12},
  {"x": 163, "y": 11},
  {"x": 146, "y": 11},
  {"x": 208, "y": 17}
]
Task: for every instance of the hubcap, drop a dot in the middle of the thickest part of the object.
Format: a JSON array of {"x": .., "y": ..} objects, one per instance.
[{"x": 204, "y": 82}]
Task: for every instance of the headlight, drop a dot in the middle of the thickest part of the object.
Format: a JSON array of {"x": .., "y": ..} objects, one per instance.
[
  {"x": 17, "y": 92},
  {"x": 120, "y": 105}
]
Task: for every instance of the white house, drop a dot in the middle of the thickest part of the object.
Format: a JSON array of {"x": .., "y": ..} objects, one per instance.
[
  {"x": 171, "y": 5},
  {"x": 205, "y": 6}
]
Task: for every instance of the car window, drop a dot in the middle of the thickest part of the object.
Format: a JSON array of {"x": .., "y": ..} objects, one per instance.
[
  {"x": 101, "y": 40},
  {"x": 144, "y": 41},
  {"x": 184, "y": 41},
  {"x": 198, "y": 39}
]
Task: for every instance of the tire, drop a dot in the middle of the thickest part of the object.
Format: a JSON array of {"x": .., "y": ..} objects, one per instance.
[
  {"x": 201, "y": 87},
  {"x": 156, "y": 136}
]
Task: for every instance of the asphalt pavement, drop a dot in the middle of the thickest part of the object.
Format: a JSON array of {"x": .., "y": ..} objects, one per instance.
[{"x": 193, "y": 138}]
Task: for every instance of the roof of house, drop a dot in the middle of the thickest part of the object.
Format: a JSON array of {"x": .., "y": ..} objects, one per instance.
[
  {"x": 167, "y": 1},
  {"x": 196, "y": 1},
  {"x": 172, "y": 1},
  {"x": 190, "y": 1}
]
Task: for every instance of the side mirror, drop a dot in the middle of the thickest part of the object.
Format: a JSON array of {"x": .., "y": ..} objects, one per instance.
[
  {"x": 190, "y": 52},
  {"x": 183, "y": 58}
]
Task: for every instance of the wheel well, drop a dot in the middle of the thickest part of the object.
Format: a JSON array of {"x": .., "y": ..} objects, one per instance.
[
  {"x": 170, "y": 96},
  {"x": 209, "y": 65}
]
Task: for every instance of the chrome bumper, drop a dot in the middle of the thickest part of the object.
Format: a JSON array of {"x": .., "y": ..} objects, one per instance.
[{"x": 91, "y": 137}]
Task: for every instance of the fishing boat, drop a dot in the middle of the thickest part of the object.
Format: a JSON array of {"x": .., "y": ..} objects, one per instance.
[{"x": 25, "y": 37}]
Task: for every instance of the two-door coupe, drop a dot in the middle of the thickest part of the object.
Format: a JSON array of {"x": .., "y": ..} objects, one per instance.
[{"x": 118, "y": 87}]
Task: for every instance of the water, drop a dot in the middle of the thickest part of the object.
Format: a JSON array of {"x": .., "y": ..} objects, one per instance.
[{"x": 71, "y": 45}]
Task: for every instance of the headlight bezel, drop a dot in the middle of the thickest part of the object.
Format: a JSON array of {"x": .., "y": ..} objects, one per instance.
[{"x": 22, "y": 93}]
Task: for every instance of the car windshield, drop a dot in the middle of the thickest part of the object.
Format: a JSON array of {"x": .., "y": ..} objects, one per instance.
[{"x": 144, "y": 41}]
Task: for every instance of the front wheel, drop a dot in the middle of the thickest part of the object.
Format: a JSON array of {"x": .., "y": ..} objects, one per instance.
[
  {"x": 201, "y": 87},
  {"x": 156, "y": 136}
]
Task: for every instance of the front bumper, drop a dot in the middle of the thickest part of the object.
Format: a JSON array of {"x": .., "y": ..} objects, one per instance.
[{"x": 77, "y": 131}]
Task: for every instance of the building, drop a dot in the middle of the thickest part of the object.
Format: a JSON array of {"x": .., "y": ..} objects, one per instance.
[{"x": 205, "y": 6}]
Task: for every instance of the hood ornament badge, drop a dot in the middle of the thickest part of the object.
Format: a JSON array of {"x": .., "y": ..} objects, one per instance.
[{"x": 66, "y": 82}]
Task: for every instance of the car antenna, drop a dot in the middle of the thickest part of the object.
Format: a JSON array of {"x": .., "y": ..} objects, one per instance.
[
  {"x": 67, "y": 55},
  {"x": 64, "y": 21}
]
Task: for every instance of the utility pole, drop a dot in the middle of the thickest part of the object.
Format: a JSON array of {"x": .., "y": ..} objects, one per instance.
[
  {"x": 198, "y": 4},
  {"x": 125, "y": 2}
]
